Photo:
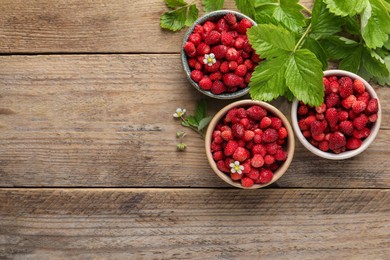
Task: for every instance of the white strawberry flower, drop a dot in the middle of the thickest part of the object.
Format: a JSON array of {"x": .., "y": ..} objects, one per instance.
[
  {"x": 236, "y": 167},
  {"x": 179, "y": 112},
  {"x": 209, "y": 59}
]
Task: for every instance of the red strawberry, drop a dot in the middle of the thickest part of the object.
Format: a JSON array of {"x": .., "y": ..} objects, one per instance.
[
  {"x": 195, "y": 38},
  {"x": 243, "y": 25},
  {"x": 360, "y": 122},
  {"x": 256, "y": 112},
  {"x": 218, "y": 155},
  {"x": 227, "y": 135},
  {"x": 302, "y": 110},
  {"x": 198, "y": 29},
  {"x": 269, "y": 159},
  {"x": 265, "y": 122},
  {"x": 259, "y": 149},
  {"x": 346, "y": 87},
  {"x": 205, "y": 83},
  {"x": 190, "y": 49},
  {"x": 358, "y": 86},
  {"x": 239, "y": 43},
  {"x": 336, "y": 140},
  {"x": 222, "y": 167},
  {"x": 241, "y": 70},
  {"x": 238, "y": 130},
  {"x": 282, "y": 133},
  {"x": 372, "y": 106},
  {"x": 324, "y": 146},
  {"x": 196, "y": 75},
  {"x": 227, "y": 39},
  {"x": 247, "y": 182},
  {"x": 253, "y": 174},
  {"x": 353, "y": 143},
  {"x": 257, "y": 161},
  {"x": 248, "y": 77},
  {"x": 358, "y": 106},
  {"x": 230, "y": 19},
  {"x": 224, "y": 68},
  {"x": 346, "y": 127},
  {"x": 232, "y": 80},
  {"x": 272, "y": 148},
  {"x": 214, "y": 67},
  {"x": 321, "y": 109},
  {"x": 276, "y": 123},
  {"x": 317, "y": 128},
  {"x": 232, "y": 54},
  {"x": 212, "y": 38},
  {"x": 365, "y": 97},
  {"x": 215, "y": 76},
  {"x": 203, "y": 49},
  {"x": 309, "y": 120},
  {"x": 280, "y": 155},
  {"x": 334, "y": 86},
  {"x": 233, "y": 65},
  {"x": 359, "y": 134},
  {"x": 348, "y": 101},
  {"x": 331, "y": 116},
  {"x": 265, "y": 176},
  {"x": 332, "y": 100},
  {"x": 343, "y": 115},
  {"x": 249, "y": 65},
  {"x": 218, "y": 87},
  {"x": 241, "y": 154},
  {"x": 270, "y": 135},
  {"x": 372, "y": 118},
  {"x": 222, "y": 26},
  {"x": 230, "y": 148},
  {"x": 248, "y": 135},
  {"x": 219, "y": 51},
  {"x": 247, "y": 166},
  {"x": 208, "y": 26}
]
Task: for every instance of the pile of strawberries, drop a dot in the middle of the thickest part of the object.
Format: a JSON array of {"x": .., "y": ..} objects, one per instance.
[
  {"x": 252, "y": 139},
  {"x": 344, "y": 120},
  {"x": 220, "y": 56}
]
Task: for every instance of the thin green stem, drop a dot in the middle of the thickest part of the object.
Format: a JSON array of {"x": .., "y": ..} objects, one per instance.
[
  {"x": 302, "y": 39},
  {"x": 191, "y": 127}
]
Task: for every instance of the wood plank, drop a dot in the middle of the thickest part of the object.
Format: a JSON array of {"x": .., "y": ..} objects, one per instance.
[
  {"x": 106, "y": 120},
  {"x": 194, "y": 223},
  {"x": 93, "y": 26}
]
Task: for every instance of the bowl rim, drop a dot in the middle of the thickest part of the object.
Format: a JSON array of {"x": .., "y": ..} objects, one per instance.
[
  {"x": 347, "y": 154},
  {"x": 246, "y": 103},
  {"x": 185, "y": 66}
]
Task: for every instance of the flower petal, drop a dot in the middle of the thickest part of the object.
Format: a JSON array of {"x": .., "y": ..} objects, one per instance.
[
  {"x": 212, "y": 55},
  {"x": 175, "y": 115},
  {"x": 241, "y": 167},
  {"x": 184, "y": 110},
  {"x": 231, "y": 165},
  {"x": 237, "y": 163},
  {"x": 239, "y": 172},
  {"x": 232, "y": 170}
]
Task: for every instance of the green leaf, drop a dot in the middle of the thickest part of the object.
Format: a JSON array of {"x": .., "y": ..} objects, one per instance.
[
  {"x": 323, "y": 22},
  {"x": 200, "y": 111},
  {"x": 185, "y": 123},
  {"x": 174, "y": 20},
  {"x": 374, "y": 64},
  {"x": 270, "y": 40},
  {"x": 375, "y": 24},
  {"x": 204, "y": 122},
  {"x": 352, "y": 60},
  {"x": 267, "y": 81},
  {"x": 192, "y": 15},
  {"x": 212, "y": 5},
  {"x": 246, "y": 7},
  {"x": 265, "y": 15},
  {"x": 384, "y": 80},
  {"x": 289, "y": 95},
  {"x": 387, "y": 44},
  {"x": 192, "y": 121},
  {"x": 346, "y": 7},
  {"x": 351, "y": 25},
  {"x": 289, "y": 13},
  {"x": 304, "y": 77},
  {"x": 315, "y": 47},
  {"x": 175, "y": 3},
  {"x": 337, "y": 48},
  {"x": 262, "y": 3}
]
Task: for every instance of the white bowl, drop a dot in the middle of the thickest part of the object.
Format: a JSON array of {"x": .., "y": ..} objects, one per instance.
[{"x": 347, "y": 154}]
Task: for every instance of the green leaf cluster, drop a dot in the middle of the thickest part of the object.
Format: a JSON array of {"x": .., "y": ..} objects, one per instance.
[
  {"x": 200, "y": 120},
  {"x": 180, "y": 15}
]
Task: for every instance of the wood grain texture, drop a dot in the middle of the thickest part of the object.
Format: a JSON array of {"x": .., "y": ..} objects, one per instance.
[
  {"x": 194, "y": 223},
  {"x": 106, "y": 120},
  {"x": 92, "y": 26}
]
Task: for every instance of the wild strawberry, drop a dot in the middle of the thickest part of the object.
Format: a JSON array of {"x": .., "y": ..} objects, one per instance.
[
  {"x": 365, "y": 97},
  {"x": 248, "y": 135},
  {"x": 270, "y": 135},
  {"x": 334, "y": 86},
  {"x": 244, "y": 122},
  {"x": 235, "y": 176},
  {"x": 348, "y": 101},
  {"x": 332, "y": 100},
  {"x": 248, "y": 77},
  {"x": 222, "y": 26},
  {"x": 257, "y": 161},
  {"x": 259, "y": 149},
  {"x": 360, "y": 122},
  {"x": 238, "y": 131},
  {"x": 255, "y": 58},
  {"x": 230, "y": 114},
  {"x": 192, "y": 62},
  {"x": 217, "y": 156},
  {"x": 346, "y": 87},
  {"x": 241, "y": 113},
  {"x": 346, "y": 127},
  {"x": 320, "y": 117},
  {"x": 241, "y": 143},
  {"x": 246, "y": 55},
  {"x": 358, "y": 86},
  {"x": 233, "y": 65},
  {"x": 214, "y": 67},
  {"x": 215, "y": 76},
  {"x": 272, "y": 148},
  {"x": 282, "y": 133},
  {"x": 195, "y": 38},
  {"x": 212, "y": 38},
  {"x": 196, "y": 75},
  {"x": 351, "y": 115},
  {"x": 331, "y": 116},
  {"x": 198, "y": 66},
  {"x": 253, "y": 174},
  {"x": 247, "y": 166},
  {"x": 323, "y": 146},
  {"x": 302, "y": 110},
  {"x": 232, "y": 80},
  {"x": 358, "y": 106},
  {"x": 257, "y": 138},
  {"x": 198, "y": 29},
  {"x": 241, "y": 70},
  {"x": 208, "y": 26},
  {"x": 332, "y": 78},
  {"x": 276, "y": 123},
  {"x": 336, "y": 140},
  {"x": 302, "y": 125},
  {"x": 243, "y": 25},
  {"x": 249, "y": 64},
  {"x": 203, "y": 49},
  {"x": 232, "y": 54},
  {"x": 230, "y": 148},
  {"x": 239, "y": 43},
  {"x": 224, "y": 68},
  {"x": 256, "y": 112},
  {"x": 227, "y": 39},
  {"x": 309, "y": 120},
  {"x": 353, "y": 143},
  {"x": 214, "y": 147},
  {"x": 317, "y": 127},
  {"x": 314, "y": 142},
  {"x": 265, "y": 122},
  {"x": 219, "y": 51},
  {"x": 321, "y": 109},
  {"x": 372, "y": 118},
  {"x": 230, "y": 19},
  {"x": 319, "y": 137},
  {"x": 343, "y": 115},
  {"x": 280, "y": 155},
  {"x": 247, "y": 182},
  {"x": 190, "y": 49},
  {"x": 218, "y": 140},
  {"x": 240, "y": 154},
  {"x": 265, "y": 176},
  {"x": 227, "y": 135},
  {"x": 205, "y": 83},
  {"x": 372, "y": 106},
  {"x": 359, "y": 134},
  {"x": 222, "y": 167},
  {"x": 269, "y": 159}
]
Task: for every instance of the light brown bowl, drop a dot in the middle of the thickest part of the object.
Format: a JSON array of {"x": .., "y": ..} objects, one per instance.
[{"x": 246, "y": 103}]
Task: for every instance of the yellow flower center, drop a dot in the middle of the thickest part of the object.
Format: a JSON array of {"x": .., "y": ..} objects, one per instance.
[
  {"x": 236, "y": 168},
  {"x": 209, "y": 60}
]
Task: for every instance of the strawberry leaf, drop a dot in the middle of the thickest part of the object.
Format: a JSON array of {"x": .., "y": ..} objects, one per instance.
[
  {"x": 270, "y": 40},
  {"x": 315, "y": 47},
  {"x": 174, "y": 20},
  {"x": 323, "y": 22},
  {"x": 204, "y": 122},
  {"x": 344, "y": 7},
  {"x": 246, "y": 7},
  {"x": 175, "y": 3},
  {"x": 212, "y": 5},
  {"x": 352, "y": 60},
  {"x": 192, "y": 15},
  {"x": 200, "y": 111},
  {"x": 289, "y": 13},
  {"x": 304, "y": 77},
  {"x": 374, "y": 64},
  {"x": 267, "y": 81}
]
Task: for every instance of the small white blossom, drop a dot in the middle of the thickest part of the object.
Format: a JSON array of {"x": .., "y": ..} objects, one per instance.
[
  {"x": 236, "y": 167},
  {"x": 209, "y": 59},
  {"x": 179, "y": 112}
]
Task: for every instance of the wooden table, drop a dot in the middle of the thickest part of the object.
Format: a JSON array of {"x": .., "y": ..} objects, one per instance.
[{"x": 89, "y": 168}]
